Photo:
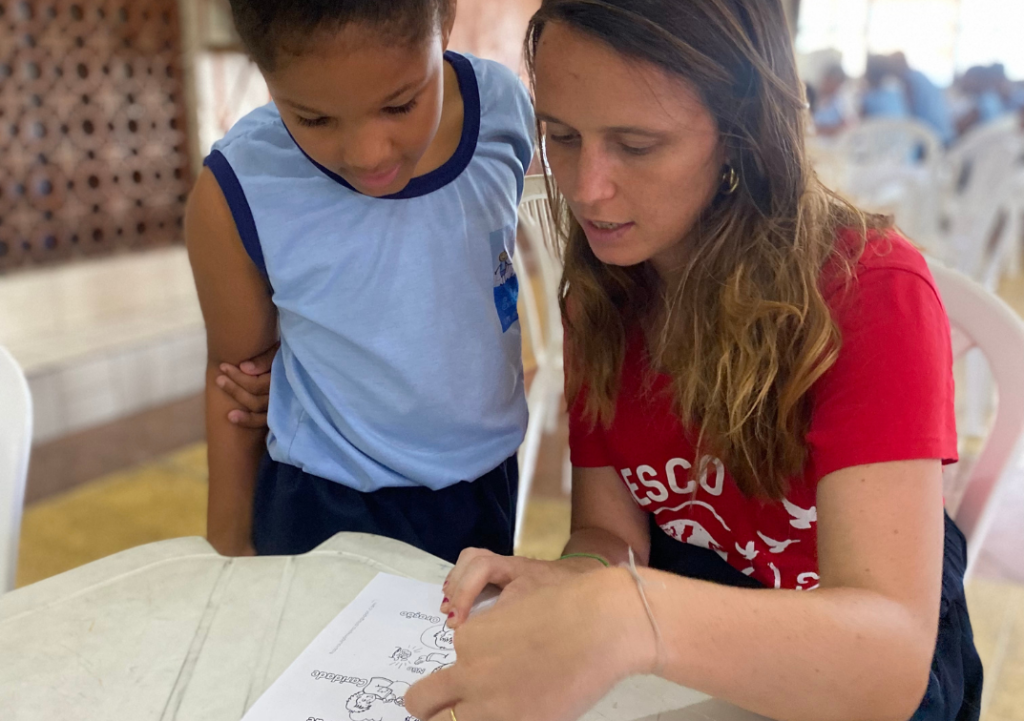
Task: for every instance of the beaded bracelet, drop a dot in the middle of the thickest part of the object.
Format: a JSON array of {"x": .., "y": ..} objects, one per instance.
[{"x": 594, "y": 556}]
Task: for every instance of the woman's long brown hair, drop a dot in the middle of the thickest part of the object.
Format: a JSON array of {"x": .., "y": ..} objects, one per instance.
[{"x": 744, "y": 331}]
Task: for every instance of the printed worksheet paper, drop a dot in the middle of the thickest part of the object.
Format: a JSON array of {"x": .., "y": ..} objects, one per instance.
[{"x": 360, "y": 666}]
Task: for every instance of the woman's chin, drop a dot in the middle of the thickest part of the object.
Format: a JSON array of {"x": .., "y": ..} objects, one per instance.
[{"x": 621, "y": 257}]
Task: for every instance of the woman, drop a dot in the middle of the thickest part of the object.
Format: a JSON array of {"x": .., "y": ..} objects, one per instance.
[{"x": 759, "y": 378}]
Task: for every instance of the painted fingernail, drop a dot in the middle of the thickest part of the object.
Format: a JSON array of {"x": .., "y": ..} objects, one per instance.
[
  {"x": 451, "y": 615},
  {"x": 445, "y": 600}
]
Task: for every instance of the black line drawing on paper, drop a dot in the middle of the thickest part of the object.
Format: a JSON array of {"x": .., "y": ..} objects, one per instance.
[
  {"x": 401, "y": 656},
  {"x": 441, "y": 640},
  {"x": 380, "y": 700}
]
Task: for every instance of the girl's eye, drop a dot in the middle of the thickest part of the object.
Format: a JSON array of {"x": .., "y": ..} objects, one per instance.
[
  {"x": 313, "y": 122},
  {"x": 401, "y": 109}
]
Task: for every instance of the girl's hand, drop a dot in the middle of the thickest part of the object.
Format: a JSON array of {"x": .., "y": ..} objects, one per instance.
[
  {"x": 514, "y": 575},
  {"x": 249, "y": 386},
  {"x": 546, "y": 656}
]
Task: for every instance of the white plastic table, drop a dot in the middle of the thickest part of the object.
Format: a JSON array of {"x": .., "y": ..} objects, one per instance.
[{"x": 173, "y": 631}]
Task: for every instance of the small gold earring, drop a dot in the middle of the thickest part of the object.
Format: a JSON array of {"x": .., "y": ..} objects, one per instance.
[{"x": 730, "y": 180}]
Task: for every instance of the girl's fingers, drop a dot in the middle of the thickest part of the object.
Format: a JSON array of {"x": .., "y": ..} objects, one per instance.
[
  {"x": 261, "y": 364},
  {"x": 256, "y": 385},
  {"x": 248, "y": 401},
  {"x": 244, "y": 419}
]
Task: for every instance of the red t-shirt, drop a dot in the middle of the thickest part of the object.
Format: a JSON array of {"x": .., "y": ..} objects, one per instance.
[{"x": 888, "y": 397}]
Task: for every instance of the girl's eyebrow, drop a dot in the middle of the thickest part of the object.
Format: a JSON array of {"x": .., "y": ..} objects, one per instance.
[
  {"x": 402, "y": 91},
  {"x": 621, "y": 129},
  {"x": 303, "y": 108},
  {"x": 414, "y": 85}
]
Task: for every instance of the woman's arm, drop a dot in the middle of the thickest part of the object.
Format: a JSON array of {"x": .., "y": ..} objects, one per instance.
[
  {"x": 860, "y": 646},
  {"x": 605, "y": 522},
  {"x": 605, "y": 519},
  {"x": 856, "y": 649},
  {"x": 241, "y": 322}
]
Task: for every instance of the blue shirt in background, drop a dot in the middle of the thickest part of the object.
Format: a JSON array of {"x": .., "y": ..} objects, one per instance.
[
  {"x": 928, "y": 104},
  {"x": 886, "y": 101},
  {"x": 990, "y": 106}
]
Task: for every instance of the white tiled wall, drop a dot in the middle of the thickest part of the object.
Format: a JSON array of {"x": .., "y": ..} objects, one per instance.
[{"x": 102, "y": 339}]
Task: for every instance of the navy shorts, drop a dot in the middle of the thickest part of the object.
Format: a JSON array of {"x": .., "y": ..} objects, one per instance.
[
  {"x": 954, "y": 685},
  {"x": 294, "y": 512}
]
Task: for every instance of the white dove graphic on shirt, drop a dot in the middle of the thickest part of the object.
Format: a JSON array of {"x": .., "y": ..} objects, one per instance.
[
  {"x": 776, "y": 546},
  {"x": 689, "y": 531},
  {"x": 748, "y": 551},
  {"x": 802, "y": 517}
]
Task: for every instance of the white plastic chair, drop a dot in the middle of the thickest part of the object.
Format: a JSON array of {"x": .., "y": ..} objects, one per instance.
[
  {"x": 537, "y": 396},
  {"x": 893, "y": 166},
  {"x": 543, "y": 324},
  {"x": 975, "y": 188},
  {"x": 980, "y": 320},
  {"x": 537, "y": 224},
  {"x": 15, "y": 444}
]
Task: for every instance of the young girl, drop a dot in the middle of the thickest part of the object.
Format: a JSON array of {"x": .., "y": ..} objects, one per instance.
[
  {"x": 762, "y": 398},
  {"x": 360, "y": 218}
]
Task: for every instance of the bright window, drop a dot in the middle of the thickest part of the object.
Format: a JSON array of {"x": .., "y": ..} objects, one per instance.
[{"x": 939, "y": 37}]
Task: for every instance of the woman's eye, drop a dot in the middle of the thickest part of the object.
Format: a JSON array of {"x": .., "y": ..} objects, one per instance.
[
  {"x": 634, "y": 150},
  {"x": 401, "y": 109},
  {"x": 562, "y": 139},
  {"x": 313, "y": 122}
]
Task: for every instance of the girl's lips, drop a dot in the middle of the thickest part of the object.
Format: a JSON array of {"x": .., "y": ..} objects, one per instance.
[{"x": 379, "y": 180}]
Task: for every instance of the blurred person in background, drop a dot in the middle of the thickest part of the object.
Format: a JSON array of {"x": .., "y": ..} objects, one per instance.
[
  {"x": 884, "y": 95},
  {"x": 981, "y": 90},
  {"x": 833, "y": 108},
  {"x": 926, "y": 100}
]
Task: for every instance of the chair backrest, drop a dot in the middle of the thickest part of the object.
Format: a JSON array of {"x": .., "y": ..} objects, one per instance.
[
  {"x": 532, "y": 323},
  {"x": 891, "y": 141},
  {"x": 15, "y": 444},
  {"x": 537, "y": 223},
  {"x": 979, "y": 163},
  {"x": 981, "y": 320},
  {"x": 989, "y": 247}
]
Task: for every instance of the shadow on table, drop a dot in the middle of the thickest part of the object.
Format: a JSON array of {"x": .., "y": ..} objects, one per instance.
[{"x": 711, "y": 710}]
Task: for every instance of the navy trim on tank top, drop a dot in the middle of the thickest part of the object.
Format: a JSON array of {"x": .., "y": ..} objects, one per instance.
[
  {"x": 239, "y": 206},
  {"x": 452, "y": 169}
]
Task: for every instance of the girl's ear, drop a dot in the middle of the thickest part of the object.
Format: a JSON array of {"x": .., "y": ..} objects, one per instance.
[{"x": 449, "y": 23}]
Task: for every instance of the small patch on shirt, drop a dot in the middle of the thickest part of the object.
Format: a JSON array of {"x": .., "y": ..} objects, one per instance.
[{"x": 506, "y": 284}]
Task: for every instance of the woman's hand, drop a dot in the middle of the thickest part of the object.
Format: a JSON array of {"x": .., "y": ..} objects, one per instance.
[
  {"x": 249, "y": 386},
  {"x": 545, "y": 656},
  {"x": 515, "y": 576}
]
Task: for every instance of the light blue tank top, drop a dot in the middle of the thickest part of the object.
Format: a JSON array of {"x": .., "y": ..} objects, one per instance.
[{"x": 400, "y": 360}]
